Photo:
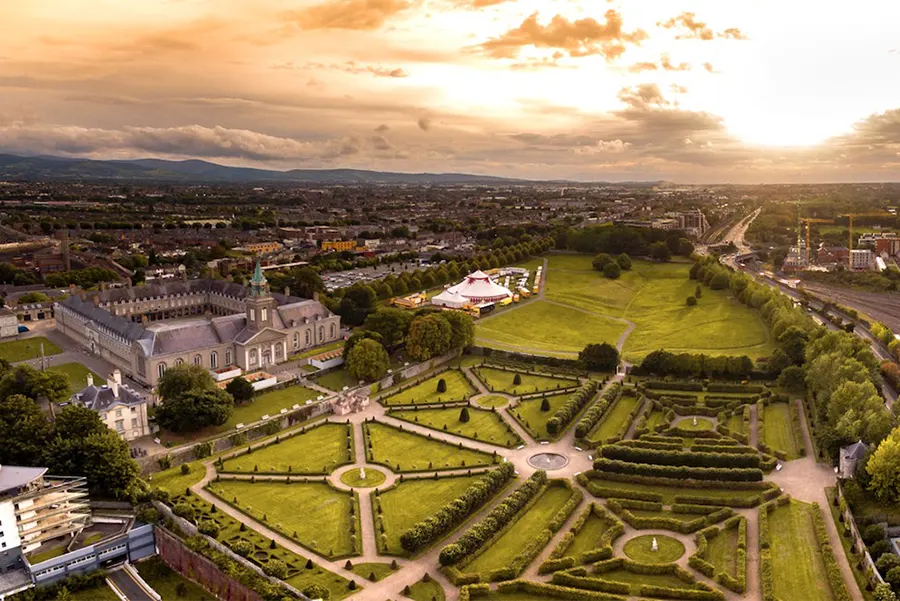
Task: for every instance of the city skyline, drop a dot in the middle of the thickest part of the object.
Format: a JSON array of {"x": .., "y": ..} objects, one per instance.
[{"x": 692, "y": 92}]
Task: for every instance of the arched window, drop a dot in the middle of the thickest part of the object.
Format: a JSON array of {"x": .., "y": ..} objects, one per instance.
[
  {"x": 198, "y": 360},
  {"x": 254, "y": 357},
  {"x": 296, "y": 340},
  {"x": 263, "y": 314},
  {"x": 214, "y": 360},
  {"x": 179, "y": 362},
  {"x": 227, "y": 356},
  {"x": 308, "y": 338},
  {"x": 332, "y": 330},
  {"x": 321, "y": 333},
  {"x": 252, "y": 314},
  {"x": 161, "y": 369}
]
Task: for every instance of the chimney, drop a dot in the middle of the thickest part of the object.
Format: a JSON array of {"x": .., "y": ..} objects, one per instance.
[
  {"x": 90, "y": 380},
  {"x": 96, "y": 300},
  {"x": 114, "y": 381}
]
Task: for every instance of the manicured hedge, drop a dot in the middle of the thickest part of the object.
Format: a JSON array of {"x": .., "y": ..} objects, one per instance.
[
  {"x": 570, "y": 409},
  {"x": 767, "y": 489},
  {"x": 832, "y": 567},
  {"x": 678, "y": 472},
  {"x": 649, "y": 444},
  {"x": 697, "y": 561},
  {"x": 501, "y": 515},
  {"x": 560, "y": 561},
  {"x": 454, "y": 513},
  {"x": 680, "y": 458},
  {"x": 552, "y": 591},
  {"x": 592, "y": 416},
  {"x": 727, "y": 387},
  {"x": 711, "y": 515},
  {"x": 665, "y": 385}
]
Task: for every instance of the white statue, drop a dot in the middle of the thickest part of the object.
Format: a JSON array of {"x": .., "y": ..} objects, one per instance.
[
  {"x": 695, "y": 421},
  {"x": 362, "y": 473},
  {"x": 654, "y": 546}
]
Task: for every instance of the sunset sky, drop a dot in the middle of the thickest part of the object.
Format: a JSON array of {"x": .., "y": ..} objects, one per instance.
[{"x": 692, "y": 91}]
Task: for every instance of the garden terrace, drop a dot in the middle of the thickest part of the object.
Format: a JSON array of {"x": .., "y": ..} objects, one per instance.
[
  {"x": 426, "y": 392},
  {"x": 498, "y": 379},
  {"x": 268, "y": 403},
  {"x": 722, "y": 554},
  {"x": 513, "y": 548},
  {"x": 232, "y": 532},
  {"x": 482, "y": 425},
  {"x": 404, "y": 451},
  {"x": 588, "y": 540},
  {"x": 318, "y": 449},
  {"x": 313, "y": 514},
  {"x": 533, "y": 420},
  {"x": 407, "y": 503}
]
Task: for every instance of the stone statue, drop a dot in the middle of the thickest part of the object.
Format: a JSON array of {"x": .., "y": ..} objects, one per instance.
[
  {"x": 695, "y": 421},
  {"x": 654, "y": 546},
  {"x": 362, "y": 473}
]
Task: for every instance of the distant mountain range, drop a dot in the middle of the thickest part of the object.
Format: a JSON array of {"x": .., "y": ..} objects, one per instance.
[
  {"x": 49, "y": 168},
  {"x": 45, "y": 168}
]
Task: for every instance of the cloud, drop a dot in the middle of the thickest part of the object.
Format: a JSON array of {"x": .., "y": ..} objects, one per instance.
[
  {"x": 643, "y": 96},
  {"x": 665, "y": 64},
  {"x": 641, "y": 67},
  {"x": 363, "y": 15},
  {"x": 709, "y": 67},
  {"x": 698, "y": 30},
  {"x": 382, "y": 128},
  {"x": 582, "y": 37},
  {"x": 471, "y": 4},
  {"x": 190, "y": 140},
  {"x": 603, "y": 147},
  {"x": 349, "y": 67},
  {"x": 424, "y": 123}
]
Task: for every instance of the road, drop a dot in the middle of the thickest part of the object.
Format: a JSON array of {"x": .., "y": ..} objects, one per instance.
[{"x": 128, "y": 586}]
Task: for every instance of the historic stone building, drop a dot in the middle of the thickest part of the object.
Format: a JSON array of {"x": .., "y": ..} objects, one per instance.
[{"x": 213, "y": 323}]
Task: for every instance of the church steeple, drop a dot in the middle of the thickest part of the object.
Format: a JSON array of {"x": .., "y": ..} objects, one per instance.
[
  {"x": 259, "y": 286},
  {"x": 260, "y": 304}
]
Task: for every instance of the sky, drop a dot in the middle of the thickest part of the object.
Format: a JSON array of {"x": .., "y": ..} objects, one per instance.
[{"x": 692, "y": 91}]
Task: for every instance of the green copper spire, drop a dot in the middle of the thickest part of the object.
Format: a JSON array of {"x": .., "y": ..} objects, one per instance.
[{"x": 259, "y": 286}]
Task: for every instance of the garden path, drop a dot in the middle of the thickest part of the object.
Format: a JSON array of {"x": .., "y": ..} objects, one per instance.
[{"x": 752, "y": 434}]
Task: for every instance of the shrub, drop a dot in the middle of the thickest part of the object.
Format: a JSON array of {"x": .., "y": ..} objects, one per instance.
[
  {"x": 276, "y": 568},
  {"x": 873, "y": 533},
  {"x": 442, "y": 385},
  {"x": 545, "y": 404},
  {"x": 184, "y": 510},
  {"x": 185, "y": 469},
  {"x": 517, "y": 380},
  {"x": 317, "y": 591},
  {"x": 691, "y": 301},
  {"x": 209, "y": 528},
  {"x": 464, "y": 415},
  {"x": 242, "y": 547}
]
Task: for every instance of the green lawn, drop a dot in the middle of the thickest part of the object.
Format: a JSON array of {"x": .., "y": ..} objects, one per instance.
[
  {"x": 655, "y": 418},
  {"x": 373, "y": 478},
  {"x": 588, "y": 538},
  {"x": 670, "y": 492},
  {"x": 311, "y": 513},
  {"x": 722, "y": 551},
  {"x": 529, "y": 415},
  {"x": 97, "y": 593},
  {"x": 546, "y": 329},
  {"x": 798, "y": 569},
  {"x": 528, "y": 526},
  {"x": 379, "y": 570},
  {"x": 35, "y": 558},
  {"x": 483, "y": 425},
  {"x": 426, "y": 591},
  {"x": 28, "y": 348},
  {"x": 499, "y": 380},
  {"x": 318, "y": 451},
  {"x": 77, "y": 375},
  {"x": 736, "y": 423},
  {"x": 164, "y": 580},
  {"x": 405, "y": 451},
  {"x": 779, "y": 430},
  {"x": 412, "y": 501},
  {"x": 318, "y": 350},
  {"x": 269, "y": 403},
  {"x": 636, "y": 580},
  {"x": 640, "y": 549},
  {"x": 613, "y": 419},
  {"x": 492, "y": 400},
  {"x": 688, "y": 424},
  {"x": 336, "y": 380},
  {"x": 458, "y": 389},
  {"x": 651, "y": 295}
]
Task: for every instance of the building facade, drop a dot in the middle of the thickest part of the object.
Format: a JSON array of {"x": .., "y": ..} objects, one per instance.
[
  {"x": 211, "y": 323},
  {"x": 861, "y": 259},
  {"x": 122, "y": 409}
]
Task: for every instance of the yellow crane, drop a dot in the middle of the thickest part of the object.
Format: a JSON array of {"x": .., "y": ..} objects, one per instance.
[
  {"x": 850, "y": 217},
  {"x": 809, "y": 220}
]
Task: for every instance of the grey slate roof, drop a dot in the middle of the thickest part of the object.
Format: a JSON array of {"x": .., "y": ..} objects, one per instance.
[
  {"x": 857, "y": 450},
  {"x": 128, "y": 329},
  {"x": 15, "y": 476},
  {"x": 100, "y": 398}
]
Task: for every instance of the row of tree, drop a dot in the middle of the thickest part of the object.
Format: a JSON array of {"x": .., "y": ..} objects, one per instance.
[{"x": 618, "y": 239}]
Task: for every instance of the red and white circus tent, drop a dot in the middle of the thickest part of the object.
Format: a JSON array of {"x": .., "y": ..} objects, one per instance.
[{"x": 478, "y": 287}]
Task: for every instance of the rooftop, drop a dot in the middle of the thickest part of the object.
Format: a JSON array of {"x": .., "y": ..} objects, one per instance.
[{"x": 15, "y": 476}]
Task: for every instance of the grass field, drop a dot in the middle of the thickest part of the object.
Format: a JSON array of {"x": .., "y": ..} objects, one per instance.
[
  {"x": 798, "y": 569},
  {"x": 503, "y": 550},
  {"x": 498, "y": 380},
  {"x": 779, "y": 430},
  {"x": 426, "y": 591},
  {"x": 639, "y": 549},
  {"x": 311, "y": 513},
  {"x": 412, "y": 501},
  {"x": 165, "y": 581},
  {"x": 269, "y": 403},
  {"x": 670, "y": 492},
  {"x": 97, "y": 593},
  {"x": 405, "y": 451},
  {"x": 318, "y": 451},
  {"x": 458, "y": 389},
  {"x": 736, "y": 423},
  {"x": 77, "y": 375},
  {"x": 651, "y": 295},
  {"x": 588, "y": 537},
  {"x": 722, "y": 551},
  {"x": 27, "y": 348},
  {"x": 529, "y": 415},
  {"x": 336, "y": 380},
  {"x": 483, "y": 425},
  {"x": 379, "y": 570},
  {"x": 492, "y": 400},
  {"x": 613, "y": 419}
]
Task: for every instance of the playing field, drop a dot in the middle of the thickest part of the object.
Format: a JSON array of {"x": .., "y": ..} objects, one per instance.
[{"x": 579, "y": 304}]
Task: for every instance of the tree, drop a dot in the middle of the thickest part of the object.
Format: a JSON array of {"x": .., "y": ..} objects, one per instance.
[
  {"x": 429, "y": 336},
  {"x": 545, "y": 404},
  {"x": 240, "y": 390},
  {"x": 792, "y": 379},
  {"x": 601, "y": 261},
  {"x": 33, "y": 297},
  {"x": 884, "y": 467},
  {"x": 624, "y": 262},
  {"x": 464, "y": 415},
  {"x": 27, "y": 381},
  {"x": 195, "y": 409},
  {"x": 612, "y": 271},
  {"x": 104, "y": 458},
  {"x": 660, "y": 251},
  {"x": 391, "y": 323},
  {"x": 793, "y": 340},
  {"x": 692, "y": 301},
  {"x": 358, "y": 301},
  {"x": 462, "y": 329},
  {"x": 317, "y": 591},
  {"x": 357, "y": 337},
  {"x": 368, "y": 361},
  {"x": 684, "y": 247},
  {"x": 857, "y": 412},
  {"x": 600, "y": 357},
  {"x": 719, "y": 281},
  {"x": 24, "y": 431},
  {"x": 884, "y": 592},
  {"x": 78, "y": 421},
  {"x": 304, "y": 282},
  {"x": 442, "y": 385},
  {"x": 181, "y": 379}
]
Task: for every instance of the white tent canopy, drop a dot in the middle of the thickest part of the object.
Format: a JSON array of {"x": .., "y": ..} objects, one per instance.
[{"x": 478, "y": 287}]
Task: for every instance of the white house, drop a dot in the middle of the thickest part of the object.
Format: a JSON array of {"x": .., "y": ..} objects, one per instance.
[{"x": 121, "y": 408}]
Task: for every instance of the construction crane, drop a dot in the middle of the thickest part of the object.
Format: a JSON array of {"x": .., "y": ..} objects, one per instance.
[
  {"x": 809, "y": 220},
  {"x": 850, "y": 217}
]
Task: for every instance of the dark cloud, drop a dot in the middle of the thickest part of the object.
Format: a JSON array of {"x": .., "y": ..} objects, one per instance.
[
  {"x": 362, "y": 15},
  {"x": 424, "y": 123},
  {"x": 698, "y": 30},
  {"x": 582, "y": 37}
]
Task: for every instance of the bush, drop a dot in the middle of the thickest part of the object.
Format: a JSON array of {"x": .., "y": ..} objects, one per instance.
[
  {"x": 873, "y": 533},
  {"x": 570, "y": 409},
  {"x": 679, "y": 472},
  {"x": 442, "y": 385},
  {"x": 242, "y": 547},
  {"x": 317, "y": 591},
  {"x": 184, "y": 510},
  {"x": 185, "y": 469},
  {"x": 276, "y": 568},
  {"x": 592, "y": 416},
  {"x": 545, "y": 404},
  {"x": 209, "y": 528},
  {"x": 691, "y": 301},
  {"x": 517, "y": 380},
  {"x": 612, "y": 271},
  {"x": 464, "y": 415}
]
